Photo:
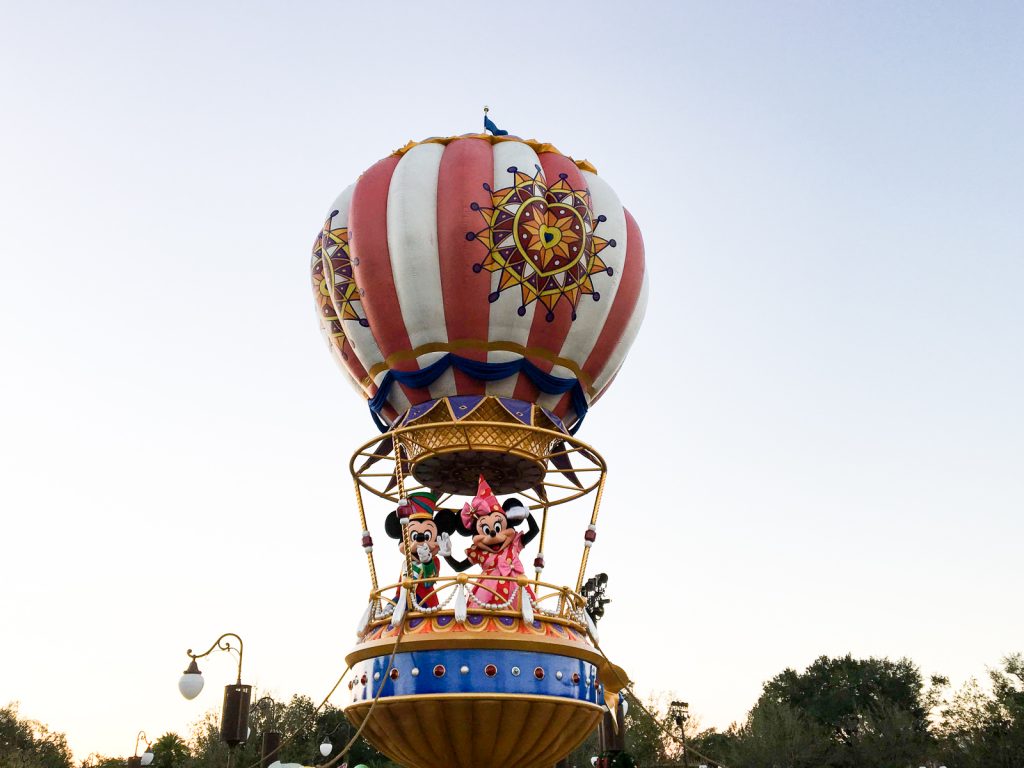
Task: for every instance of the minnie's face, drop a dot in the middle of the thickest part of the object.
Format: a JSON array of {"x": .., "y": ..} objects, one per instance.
[
  {"x": 493, "y": 533},
  {"x": 421, "y": 532}
]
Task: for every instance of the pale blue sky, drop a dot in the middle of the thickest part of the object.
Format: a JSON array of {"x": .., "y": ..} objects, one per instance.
[{"x": 816, "y": 445}]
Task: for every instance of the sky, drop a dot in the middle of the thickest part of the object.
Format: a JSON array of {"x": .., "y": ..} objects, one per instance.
[{"x": 816, "y": 445}]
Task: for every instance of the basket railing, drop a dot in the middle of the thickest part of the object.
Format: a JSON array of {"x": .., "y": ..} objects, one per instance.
[{"x": 464, "y": 595}]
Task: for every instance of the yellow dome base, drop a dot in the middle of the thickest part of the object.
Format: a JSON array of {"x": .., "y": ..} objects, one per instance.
[{"x": 473, "y": 731}]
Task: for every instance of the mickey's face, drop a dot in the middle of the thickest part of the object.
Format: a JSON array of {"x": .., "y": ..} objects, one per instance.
[
  {"x": 493, "y": 533},
  {"x": 421, "y": 532}
]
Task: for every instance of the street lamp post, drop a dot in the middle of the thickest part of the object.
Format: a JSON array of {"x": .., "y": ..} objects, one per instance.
[
  {"x": 146, "y": 757},
  {"x": 234, "y": 720},
  {"x": 681, "y": 712},
  {"x": 271, "y": 739}
]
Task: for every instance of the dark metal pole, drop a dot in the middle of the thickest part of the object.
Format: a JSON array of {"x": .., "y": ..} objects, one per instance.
[
  {"x": 682, "y": 714},
  {"x": 612, "y": 739},
  {"x": 271, "y": 743}
]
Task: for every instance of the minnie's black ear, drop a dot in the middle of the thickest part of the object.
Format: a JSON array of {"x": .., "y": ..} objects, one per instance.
[
  {"x": 446, "y": 520},
  {"x": 392, "y": 527},
  {"x": 515, "y": 511}
]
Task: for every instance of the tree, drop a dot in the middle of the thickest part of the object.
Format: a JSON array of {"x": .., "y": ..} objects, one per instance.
[
  {"x": 170, "y": 751},
  {"x": 873, "y": 709},
  {"x": 29, "y": 744},
  {"x": 303, "y": 731},
  {"x": 838, "y": 713},
  {"x": 986, "y": 729},
  {"x": 775, "y": 734}
]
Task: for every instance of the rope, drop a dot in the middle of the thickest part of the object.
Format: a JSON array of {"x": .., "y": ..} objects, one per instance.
[
  {"x": 343, "y": 752},
  {"x": 291, "y": 736},
  {"x": 627, "y": 686}
]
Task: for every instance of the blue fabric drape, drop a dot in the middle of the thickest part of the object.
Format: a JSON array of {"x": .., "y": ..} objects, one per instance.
[{"x": 545, "y": 382}]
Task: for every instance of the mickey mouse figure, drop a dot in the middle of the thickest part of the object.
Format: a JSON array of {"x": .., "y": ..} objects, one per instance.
[
  {"x": 496, "y": 543},
  {"x": 429, "y": 530}
]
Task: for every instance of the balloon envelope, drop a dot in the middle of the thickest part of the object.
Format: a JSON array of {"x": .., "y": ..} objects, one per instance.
[{"x": 480, "y": 265}]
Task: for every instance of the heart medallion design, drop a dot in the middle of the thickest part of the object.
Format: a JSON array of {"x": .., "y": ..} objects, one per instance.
[{"x": 541, "y": 238}]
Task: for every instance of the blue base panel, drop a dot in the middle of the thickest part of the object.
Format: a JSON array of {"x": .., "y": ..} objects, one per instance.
[{"x": 476, "y": 670}]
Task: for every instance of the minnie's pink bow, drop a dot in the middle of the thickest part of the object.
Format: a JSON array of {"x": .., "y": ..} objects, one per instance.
[
  {"x": 471, "y": 509},
  {"x": 496, "y": 564}
]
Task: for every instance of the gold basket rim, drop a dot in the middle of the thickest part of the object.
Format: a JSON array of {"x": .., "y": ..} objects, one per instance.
[{"x": 594, "y": 462}]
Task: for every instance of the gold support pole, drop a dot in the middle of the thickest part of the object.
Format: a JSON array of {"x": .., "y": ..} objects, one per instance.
[
  {"x": 362, "y": 522},
  {"x": 400, "y": 476},
  {"x": 540, "y": 547},
  {"x": 593, "y": 521}
]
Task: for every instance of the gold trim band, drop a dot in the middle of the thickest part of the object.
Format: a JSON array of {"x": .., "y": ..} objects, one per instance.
[
  {"x": 537, "y": 146},
  {"x": 476, "y": 697},
  {"x": 463, "y": 641}
]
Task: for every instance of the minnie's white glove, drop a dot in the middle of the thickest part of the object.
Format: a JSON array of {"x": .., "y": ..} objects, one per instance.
[
  {"x": 516, "y": 513},
  {"x": 444, "y": 545}
]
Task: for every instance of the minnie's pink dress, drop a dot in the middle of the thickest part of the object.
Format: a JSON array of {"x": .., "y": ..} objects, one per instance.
[{"x": 504, "y": 563}]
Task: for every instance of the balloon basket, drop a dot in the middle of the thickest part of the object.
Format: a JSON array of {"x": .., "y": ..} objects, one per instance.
[{"x": 492, "y": 689}]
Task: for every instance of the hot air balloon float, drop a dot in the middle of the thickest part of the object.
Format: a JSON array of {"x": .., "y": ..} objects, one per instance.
[{"x": 481, "y": 293}]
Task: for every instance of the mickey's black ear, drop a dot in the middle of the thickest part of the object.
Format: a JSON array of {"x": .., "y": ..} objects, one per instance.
[
  {"x": 469, "y": 530},
  {"x": 446, "y": 520},
  {"x": 392, "y": 527}
]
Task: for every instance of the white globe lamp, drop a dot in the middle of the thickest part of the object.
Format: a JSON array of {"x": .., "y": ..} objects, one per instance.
[{"x": 191, "y": 682}]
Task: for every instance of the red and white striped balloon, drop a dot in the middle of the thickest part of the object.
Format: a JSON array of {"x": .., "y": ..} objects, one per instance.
[{"x": 493, "y": 249}]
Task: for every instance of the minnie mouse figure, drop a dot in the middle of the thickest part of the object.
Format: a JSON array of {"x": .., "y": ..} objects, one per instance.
[
  {"x": 429, "y": 530},
  {"x": 496, "y": 543}
]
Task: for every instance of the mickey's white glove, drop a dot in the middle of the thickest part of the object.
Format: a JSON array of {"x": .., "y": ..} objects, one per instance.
[
  {"x": 423, "y": 553},
  {"x": 444, "y": 545}
]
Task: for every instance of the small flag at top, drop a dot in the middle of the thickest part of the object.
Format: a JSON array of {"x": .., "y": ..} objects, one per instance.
[{"x": 490, "y": 126}]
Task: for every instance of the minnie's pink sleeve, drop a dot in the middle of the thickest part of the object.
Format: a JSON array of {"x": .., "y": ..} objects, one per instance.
[{"x": 517, "y": 544}]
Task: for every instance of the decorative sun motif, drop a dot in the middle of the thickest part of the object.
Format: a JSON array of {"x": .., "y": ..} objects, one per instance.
[
  {"x": 541, "y": 239},
  {"x": 333, "y": 281}
]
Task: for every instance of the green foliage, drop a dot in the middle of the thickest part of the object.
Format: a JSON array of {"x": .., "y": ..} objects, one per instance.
[
  {"x": 99, "y": 761},
  {"x": 837, "y": 713},
  {"x": 774, "y": 734},
  {"x": 646, "y": 741},
  {"x": 851, "y": 696},
  {"x": 986, "y": 729},
  {"x": 302, "y": 731},
  {"x": 170, "y": 751},
  {"x": 28, "y": 744}
]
